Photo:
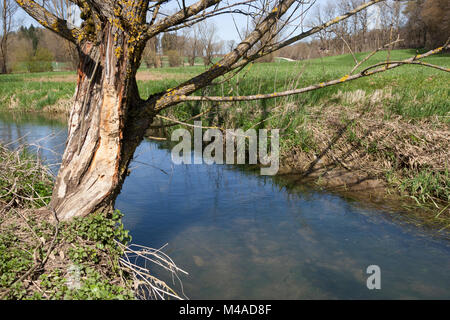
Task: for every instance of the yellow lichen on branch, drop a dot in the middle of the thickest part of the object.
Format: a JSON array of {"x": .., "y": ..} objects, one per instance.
[{"x": 48, "y": 19}]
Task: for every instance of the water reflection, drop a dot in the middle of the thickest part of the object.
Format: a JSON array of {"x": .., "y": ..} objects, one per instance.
[
  {"x": 241, "y": 236},
  {"x": 44, "y": 136}
]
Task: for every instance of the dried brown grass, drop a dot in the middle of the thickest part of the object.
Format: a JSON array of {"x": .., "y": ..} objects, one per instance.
[{"x": 357, "y": 142}]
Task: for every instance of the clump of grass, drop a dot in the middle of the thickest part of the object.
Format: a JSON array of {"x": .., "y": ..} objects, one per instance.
[
  {"x": 427, "y": 185},
  {"x": 24, "y": 181},
  {"x": 26, "y": 92},
  {"x": 87, "y": 258}
]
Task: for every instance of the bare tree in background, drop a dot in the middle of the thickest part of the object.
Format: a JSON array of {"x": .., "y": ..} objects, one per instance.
[
  {"x": 151, "y": 56},
  {"x": 230, "y": 44},
  {"x": 67, "y": 10},
  {"x": 208, "y": 41},
  {"x": 108, "y": 119},
  {"x": 324, "y": 13},
  {"x": 390, "y": 13},
  {"x": 192, "y": 47},
  {"x": 8, "y": 10}
]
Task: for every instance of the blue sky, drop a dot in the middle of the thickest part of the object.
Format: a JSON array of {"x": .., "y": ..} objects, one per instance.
[{"x": 225, "y": 25}]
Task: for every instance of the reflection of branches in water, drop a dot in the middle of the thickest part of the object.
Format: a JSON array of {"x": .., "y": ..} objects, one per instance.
[
  {"x": 155, "y": 165},
  {"x": 150, "y": 165},
  {"x": 216, "y": 174},
  {"x": 222, "y": 178}
]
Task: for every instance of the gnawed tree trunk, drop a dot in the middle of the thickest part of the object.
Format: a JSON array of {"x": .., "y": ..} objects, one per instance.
[
  {"x": 98, "y": 150},
  {"x": 108, "y": 119}
]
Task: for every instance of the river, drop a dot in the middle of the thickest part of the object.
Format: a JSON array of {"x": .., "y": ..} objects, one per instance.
[{"x": 243, "y": 236}]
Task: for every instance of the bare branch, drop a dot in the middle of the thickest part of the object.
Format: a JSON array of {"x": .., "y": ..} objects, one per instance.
[
  {"x": 179, "y": 17},
  {"x": 373, "y": 53},
  {"x": 305, "y": 34},
  {"x": 170, "y": 97},
  {"x": 49, "y": 20}
]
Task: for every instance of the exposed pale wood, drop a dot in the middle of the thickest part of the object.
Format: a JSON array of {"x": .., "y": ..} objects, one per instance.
[{"x": 92, "y": 169}]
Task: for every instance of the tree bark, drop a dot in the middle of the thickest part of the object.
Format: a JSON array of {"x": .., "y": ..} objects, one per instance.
[{"x": 99, "y": 149}]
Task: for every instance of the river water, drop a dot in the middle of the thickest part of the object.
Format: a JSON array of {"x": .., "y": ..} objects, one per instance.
[{"x": 243, "y": 236}]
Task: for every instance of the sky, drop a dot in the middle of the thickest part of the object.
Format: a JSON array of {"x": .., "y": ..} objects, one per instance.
[{"x": 226, "y": 27}]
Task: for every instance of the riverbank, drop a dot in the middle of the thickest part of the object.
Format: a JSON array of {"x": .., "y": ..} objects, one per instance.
[
  {"x": 358, "y": 147},
  {"x": 43, "y": 258},
  {"x": 384, "y": 138},
  {"x": 355, "y": 143},
  {"x": 232, "y": 237}
]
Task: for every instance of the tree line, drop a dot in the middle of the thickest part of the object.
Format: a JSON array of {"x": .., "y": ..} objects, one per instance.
[
  {"x": 32, "y": 49},
  {"x": 419, "y": 24}
]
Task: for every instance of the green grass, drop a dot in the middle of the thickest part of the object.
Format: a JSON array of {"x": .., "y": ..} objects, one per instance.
[
  {"x": 26, "y": 91},
  {"x": 421, "y": 92},
  {"x": 86, "y": 242}
]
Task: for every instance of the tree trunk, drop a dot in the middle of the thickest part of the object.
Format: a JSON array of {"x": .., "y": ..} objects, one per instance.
[
  {"x": 99, "y": 149},
  {"x": 4, "y": 39}
]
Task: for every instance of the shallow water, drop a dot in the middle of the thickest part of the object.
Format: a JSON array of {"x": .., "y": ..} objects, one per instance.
[{"x": 242, "y": 236}]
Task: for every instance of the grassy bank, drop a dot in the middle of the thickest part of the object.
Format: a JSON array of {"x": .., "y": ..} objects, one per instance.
[
  {"x": 42, "y": 258},
  {"x": 380, "y": 136}
]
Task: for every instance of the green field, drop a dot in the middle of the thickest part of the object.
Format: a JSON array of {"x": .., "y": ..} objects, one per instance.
[{"x": 423, "y": 92}]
